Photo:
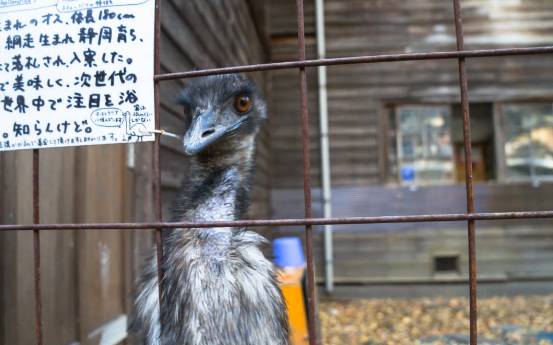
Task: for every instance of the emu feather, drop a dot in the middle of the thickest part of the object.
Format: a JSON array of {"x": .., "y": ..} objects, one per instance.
[{"x": 218, "y": 288}]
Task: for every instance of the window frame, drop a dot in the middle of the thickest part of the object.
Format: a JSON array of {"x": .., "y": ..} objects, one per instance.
[
  {"x": 398, "y": 143},
  {"x": 499, "y": 142}
]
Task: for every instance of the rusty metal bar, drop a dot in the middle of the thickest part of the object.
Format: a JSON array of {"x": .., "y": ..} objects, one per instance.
[
  {"x": 311, "y": 284},
  {"x": 449, "y": 217},
  {"x": 463, "y": 85},
  {"x": 359, "y": 60},
  {"x": 156, "y": 159},
  {"x": 36, "y": 246}
]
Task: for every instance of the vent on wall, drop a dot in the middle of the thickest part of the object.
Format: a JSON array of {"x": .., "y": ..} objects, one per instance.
[{"x": 446, "y": 264}]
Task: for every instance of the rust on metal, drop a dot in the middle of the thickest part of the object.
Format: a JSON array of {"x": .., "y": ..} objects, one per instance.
[
  {"x": 36, "y": 247},
  {"x": 358, "y": 60},
  {"x": 463, "y": 85},
  {"x": 448, "y": 217},
  {"x": 156, "y": 156},
  {"x": 304, "y": 114}
]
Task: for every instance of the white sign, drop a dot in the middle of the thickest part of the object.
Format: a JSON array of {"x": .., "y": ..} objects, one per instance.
[{"x": 76, "y": 72}]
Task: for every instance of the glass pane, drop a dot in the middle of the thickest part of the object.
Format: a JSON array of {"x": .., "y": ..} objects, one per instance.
[
  {"x": 424, "y": 144},
  {"x": 528, "y": 131}
]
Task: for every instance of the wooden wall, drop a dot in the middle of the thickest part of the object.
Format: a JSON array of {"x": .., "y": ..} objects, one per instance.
[
  {"x": 373, "y": 201},
  {"x": 507, "y": 250},
  {"x": 82, "y": 272},
  {"x": 360, "y": 97},
  {"x": 87, "y": 276},
  {"x": 512, "y": 260},
  {"x": 359, "y": 94},
  {"x": 505, "y": 253}
]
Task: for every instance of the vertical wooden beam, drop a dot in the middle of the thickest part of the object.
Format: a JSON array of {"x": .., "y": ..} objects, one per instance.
[{"x": 100, "y": 195}]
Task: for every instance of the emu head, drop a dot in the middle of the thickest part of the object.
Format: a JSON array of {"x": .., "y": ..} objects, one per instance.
[{"x": 224, "y": 113}]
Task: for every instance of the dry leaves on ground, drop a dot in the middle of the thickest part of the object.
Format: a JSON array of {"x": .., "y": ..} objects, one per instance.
[{"x": 501, "y": 320}]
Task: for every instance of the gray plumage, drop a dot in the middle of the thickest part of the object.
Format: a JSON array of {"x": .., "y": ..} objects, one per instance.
[{"x": 218, "y": 288}]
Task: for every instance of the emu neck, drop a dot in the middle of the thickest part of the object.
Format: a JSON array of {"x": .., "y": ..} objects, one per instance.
[{"x": 218, "y": 186}]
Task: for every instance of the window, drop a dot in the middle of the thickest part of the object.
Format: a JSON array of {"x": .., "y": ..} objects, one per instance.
[
  {"x": 425, "y": 153},
  {"x": 527, "y": 141},
  {"x": 482, "y": 141},
  {"x": 515, "y": 144}
]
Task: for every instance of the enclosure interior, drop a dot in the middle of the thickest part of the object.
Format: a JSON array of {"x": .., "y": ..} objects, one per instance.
[{"x": 396, "y": 148}]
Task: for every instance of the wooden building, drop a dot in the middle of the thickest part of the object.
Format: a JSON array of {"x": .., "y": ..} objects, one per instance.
[
  {"x": 396, "y": 142},
  {"x": 87, "y": 276}
]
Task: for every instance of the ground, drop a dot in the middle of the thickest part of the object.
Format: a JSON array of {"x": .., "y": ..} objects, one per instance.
[{"x": 501, "y": 321}]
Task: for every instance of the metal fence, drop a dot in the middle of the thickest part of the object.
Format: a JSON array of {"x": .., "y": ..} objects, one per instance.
[{"x": 301, "y": 64}]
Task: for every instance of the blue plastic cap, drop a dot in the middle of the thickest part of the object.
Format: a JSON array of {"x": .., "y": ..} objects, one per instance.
[
  {"x": 288, "y": 252},
  {"x": 408, "y": 174}
]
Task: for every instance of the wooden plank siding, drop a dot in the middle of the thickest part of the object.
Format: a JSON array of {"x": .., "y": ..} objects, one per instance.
[
  {"x": 361, "y": 99},
  {"x": 506, "y": 253},
  {"x": 390, "y": 253},
  {"x": 15, "y": 264},
  {"x": 512, "y": 260},
  {"x": 373, "y": 201},
  {"x": 88, "y": 276},
  {"x": 357, "y": 93}
]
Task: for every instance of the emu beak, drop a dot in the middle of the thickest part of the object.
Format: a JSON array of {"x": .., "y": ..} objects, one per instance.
[{"x": 202, "y": 133}]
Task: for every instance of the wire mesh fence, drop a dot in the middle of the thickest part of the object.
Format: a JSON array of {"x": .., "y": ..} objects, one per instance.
[{"x": 308, "y": 221}]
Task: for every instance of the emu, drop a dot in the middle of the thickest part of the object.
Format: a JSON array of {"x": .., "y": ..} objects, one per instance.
[
  {"x": 218, "y": 288},
  {"x": 138, "y": 130}
]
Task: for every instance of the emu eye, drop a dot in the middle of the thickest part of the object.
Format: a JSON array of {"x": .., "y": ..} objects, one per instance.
[{"x": 242, "y": 104}]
